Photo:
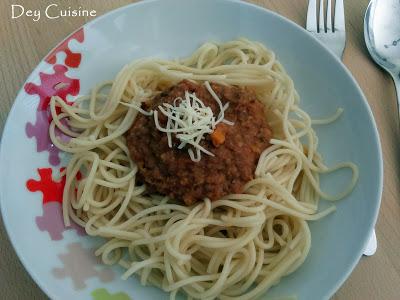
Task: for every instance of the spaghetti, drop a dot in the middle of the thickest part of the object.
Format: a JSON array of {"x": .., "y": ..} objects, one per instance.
[{"x": 236, "y": 247}]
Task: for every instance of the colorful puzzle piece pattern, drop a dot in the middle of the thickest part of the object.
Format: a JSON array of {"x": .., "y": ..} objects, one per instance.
[
  {"x": 51, "y": 189},
  {"x": 56, "y": 84},
  {"x": 80, "y": 264},
  {"x": 72, "y": 59},
  {"x": 52, "y": 222},
  {"x": 103, "y": 294}
]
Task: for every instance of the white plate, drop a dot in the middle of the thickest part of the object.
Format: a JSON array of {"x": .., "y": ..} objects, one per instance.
[{"x": 172, "y": 29}]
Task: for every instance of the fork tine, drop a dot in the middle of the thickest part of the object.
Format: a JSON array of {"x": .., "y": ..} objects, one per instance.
[
  {"x": 329, "y": 17},
  {"x": 339, "y": 16},
  {"x": 312, "y": 16},
  {"x": 321, "y": 24}
]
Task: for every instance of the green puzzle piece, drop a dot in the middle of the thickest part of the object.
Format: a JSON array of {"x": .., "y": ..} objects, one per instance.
[{"x": 103, "y": 294}]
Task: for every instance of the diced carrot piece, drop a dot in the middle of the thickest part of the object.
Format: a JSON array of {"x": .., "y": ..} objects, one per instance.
[{"x": 218, "y": 136}]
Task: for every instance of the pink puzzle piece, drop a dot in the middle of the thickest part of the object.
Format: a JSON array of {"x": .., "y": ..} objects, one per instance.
[
  {"x": 81, "y": 264},
  {"x": 52, "y": 222},
  {"x": 40, "y": 131}
]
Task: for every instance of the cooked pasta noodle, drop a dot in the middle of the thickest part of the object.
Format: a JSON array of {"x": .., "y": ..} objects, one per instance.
[{"x": 236, "y": 247}]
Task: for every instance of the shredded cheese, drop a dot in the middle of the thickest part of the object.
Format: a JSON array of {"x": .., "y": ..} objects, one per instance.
[{"x": 190, "y": 120}]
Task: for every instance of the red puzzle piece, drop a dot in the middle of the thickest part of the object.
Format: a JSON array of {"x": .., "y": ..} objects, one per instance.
[
  {"x": 72, "y": 60},
  {"x": 57, "y": 84},
  {"x": 52, "y": 190}
]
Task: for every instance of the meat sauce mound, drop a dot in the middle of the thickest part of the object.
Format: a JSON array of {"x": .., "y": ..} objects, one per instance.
[{"x": 237, "y": 148}]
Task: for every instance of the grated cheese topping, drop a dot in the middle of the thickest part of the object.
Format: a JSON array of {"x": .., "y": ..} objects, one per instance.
[{"x": 190, "y": 120}]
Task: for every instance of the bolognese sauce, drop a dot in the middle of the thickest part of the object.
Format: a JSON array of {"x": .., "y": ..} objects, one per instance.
[{"x": 236, "y": 149}]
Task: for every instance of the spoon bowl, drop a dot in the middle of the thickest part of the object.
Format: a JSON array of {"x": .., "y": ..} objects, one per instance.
[{"x": 382, "y": 35}]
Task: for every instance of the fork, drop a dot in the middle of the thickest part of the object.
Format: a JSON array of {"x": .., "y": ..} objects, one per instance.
[{"x": 334, "y": 38}]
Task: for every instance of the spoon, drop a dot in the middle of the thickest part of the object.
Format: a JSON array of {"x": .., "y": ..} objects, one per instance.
[{"x": 382, "y": 37}]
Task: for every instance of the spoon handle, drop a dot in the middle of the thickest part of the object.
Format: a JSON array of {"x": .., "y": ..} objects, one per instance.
[{"x": 396, "y": 80}]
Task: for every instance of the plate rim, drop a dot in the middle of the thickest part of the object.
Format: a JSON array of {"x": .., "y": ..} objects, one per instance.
[{"x": 349, "y": 269}]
